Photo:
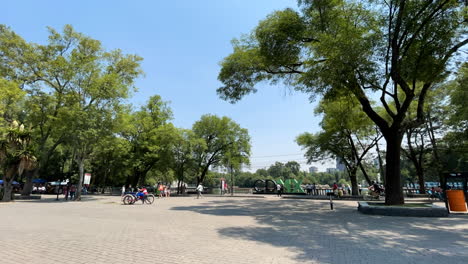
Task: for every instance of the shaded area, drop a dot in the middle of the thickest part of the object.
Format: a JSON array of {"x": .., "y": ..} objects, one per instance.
[
  {"x": 52, "y": 199},
  {"x": 317, "y": 234}
]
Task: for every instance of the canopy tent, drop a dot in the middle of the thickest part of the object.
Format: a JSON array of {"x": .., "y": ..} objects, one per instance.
[
  {"x": 58, "y": 183},
  {"x": 39, "y": 181},
  {"x": 14, "y": 182}
]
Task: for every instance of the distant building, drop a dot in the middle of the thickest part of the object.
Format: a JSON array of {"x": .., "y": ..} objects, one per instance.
[
  {"x": 313, "y": 169},
  {"x": 331, "y": 170},
  {"x": 340, "y": 166}
]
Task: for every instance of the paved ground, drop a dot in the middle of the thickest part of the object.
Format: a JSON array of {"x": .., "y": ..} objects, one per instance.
[{"x": 222, "y": 230}]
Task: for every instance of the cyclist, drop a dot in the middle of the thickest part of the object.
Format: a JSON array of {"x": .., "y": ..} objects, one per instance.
[
  {"x": 376, "y": 189},
  {"x": 142, "y": 192}
]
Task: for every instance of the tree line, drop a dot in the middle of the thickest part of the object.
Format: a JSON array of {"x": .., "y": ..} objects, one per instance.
[
  {"x": 292, "y": 170},
  {"x": 63, "y": 112}
]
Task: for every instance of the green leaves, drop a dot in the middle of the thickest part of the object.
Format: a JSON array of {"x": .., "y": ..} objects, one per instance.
[
  {"x": 459, "y": 99},
  {"x": 10, "y": 98},
  {"x": 239, "y": 73},
  {"x": 225, "y": 143},
  {"x": 279, "y": 38}
]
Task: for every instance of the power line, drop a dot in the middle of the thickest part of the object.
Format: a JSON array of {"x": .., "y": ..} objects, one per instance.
[
  {"x": 272, "y": 156},
  {"x": 282, "y": 161}
]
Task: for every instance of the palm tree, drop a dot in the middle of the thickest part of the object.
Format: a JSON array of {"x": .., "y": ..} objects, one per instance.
[{"x": 15, "y": 156}]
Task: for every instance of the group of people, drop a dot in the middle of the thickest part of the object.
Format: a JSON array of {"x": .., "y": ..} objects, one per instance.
[
  {"x": 224, "y": 188},
  {"x": 341, "y": 190},
  {"x": 69, "y": 190},
  {"x": 164, "y": 190},
  {"x": 41, "y": 189},
  {"x": 311, "y": 189},
  {"x": 436, "y": 192}
]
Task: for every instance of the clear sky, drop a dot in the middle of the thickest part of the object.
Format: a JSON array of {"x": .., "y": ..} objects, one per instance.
[{"x": 182, "y": 43}]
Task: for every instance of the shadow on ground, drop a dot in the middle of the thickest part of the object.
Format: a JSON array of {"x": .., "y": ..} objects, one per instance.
[
  {"x": 315, "y": 233},
  {"x": 53, "y": 199}
]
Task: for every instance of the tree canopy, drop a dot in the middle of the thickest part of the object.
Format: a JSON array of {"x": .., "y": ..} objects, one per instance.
[
  {"x": 397, "y": 50},
  {"x": 69, "y": 95}
]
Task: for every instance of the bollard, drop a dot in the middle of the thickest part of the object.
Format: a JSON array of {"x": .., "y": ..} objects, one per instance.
[{"x": 331, "y": 200}]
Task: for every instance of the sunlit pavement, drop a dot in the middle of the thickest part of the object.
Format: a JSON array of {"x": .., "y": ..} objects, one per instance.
[{"x": 222, "y": 230}]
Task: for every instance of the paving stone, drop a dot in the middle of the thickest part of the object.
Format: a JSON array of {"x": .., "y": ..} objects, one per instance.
[{"x": 222, "y": 230}]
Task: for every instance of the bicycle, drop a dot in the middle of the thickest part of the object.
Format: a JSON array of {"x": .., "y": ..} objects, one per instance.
[{"x": 132, "y": 198}]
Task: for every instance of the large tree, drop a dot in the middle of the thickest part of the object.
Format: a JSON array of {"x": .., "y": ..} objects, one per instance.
[
  {"x": 347, "y": 133},
  {"x": 150, "y": 136},
  {"x": 363, "y": 48},
  {"x": 456, "y": 140},
  {"x": 224, "y": 140},
  {"x": 183, "y": 162},
  {"x": 70, "y": 75},
  {"x": 16, "y": 153}
]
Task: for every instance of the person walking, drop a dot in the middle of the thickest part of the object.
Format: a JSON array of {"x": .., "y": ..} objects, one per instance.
[
  {"x": 335, "y": 189},
  {"x": 183, "y": 189},
  {"x": 123, "y": 190},
  {"x": 72, "y": 192},
  {"x": 199, "y": 191},
  {"x": 278, "y": 189},
  {"x": 168, "y": 191},
  {"x": 161, "y": 190}
]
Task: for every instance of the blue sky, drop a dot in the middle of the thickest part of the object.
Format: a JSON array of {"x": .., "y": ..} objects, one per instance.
[{"x": 182, "y": 43}]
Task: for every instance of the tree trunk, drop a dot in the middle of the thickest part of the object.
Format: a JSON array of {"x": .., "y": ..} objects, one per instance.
[
  {"x": 435, "y": 151},
  {"x": 106, "y": 172},
  {"x": 420, "y": 173},
  {"x": 203, "y": 174},
  {"x": 80, "y": 182},
  {"x": 128, "y": 181},
  {"x": 8, "y": 178},
  {"x": 142, "y": 178},
  {"x": 354, "y": 183},
  {"x": 28, "y": 185},
  {"x": 135, "y": 179},
  {"x": 7, "y": 190},
  {"x": 381, "y": 169},
  {"x": 364, "y": 172},
  {"x": 393, "y": 188}
]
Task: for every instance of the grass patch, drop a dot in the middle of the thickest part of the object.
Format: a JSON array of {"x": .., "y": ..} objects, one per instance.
[{"x": 406, "y": 205}]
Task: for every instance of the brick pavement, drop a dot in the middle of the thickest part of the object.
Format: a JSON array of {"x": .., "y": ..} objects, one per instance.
[{"x": 222, "y": 230}]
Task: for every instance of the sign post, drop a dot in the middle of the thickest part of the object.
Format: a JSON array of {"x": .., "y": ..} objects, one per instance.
[{"x": 87, "y": 178}]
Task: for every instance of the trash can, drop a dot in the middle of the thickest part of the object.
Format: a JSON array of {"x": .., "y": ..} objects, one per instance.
[{"x": 456, "y": 201}]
